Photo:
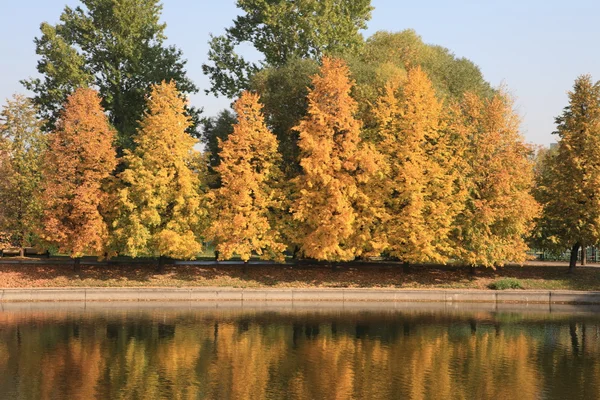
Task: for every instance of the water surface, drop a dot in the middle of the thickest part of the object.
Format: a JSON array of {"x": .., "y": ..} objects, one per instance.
[{"x": 384, "y": 353}]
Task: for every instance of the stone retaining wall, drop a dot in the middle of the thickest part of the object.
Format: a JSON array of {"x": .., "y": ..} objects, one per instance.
[{"x": 297, "y": 295}]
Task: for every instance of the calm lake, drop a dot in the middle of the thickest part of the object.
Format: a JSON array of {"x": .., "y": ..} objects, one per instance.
[{"x": 199, "y": 352}]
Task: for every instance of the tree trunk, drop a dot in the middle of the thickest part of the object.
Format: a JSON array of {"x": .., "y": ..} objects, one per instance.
[
  {"x": 77, "y": 265},
  {"x": 573, "y": 260},
  {"x": 472, "y": 270},
  {"x": 161, "y": 265},
  {"x": 245, "y": 267},
  {"x": 583, "y": 255},
  {"x": 406, "y": 267},
  {"x": 21, "y": 252}
]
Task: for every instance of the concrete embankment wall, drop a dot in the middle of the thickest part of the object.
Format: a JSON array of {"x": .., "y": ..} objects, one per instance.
[{"x": 296, "y": 295}]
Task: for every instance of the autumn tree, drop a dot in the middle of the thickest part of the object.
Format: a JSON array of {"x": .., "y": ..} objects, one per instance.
[
  {"x": 497, "y": 175},
  {"x": 22, "y": 143},
  {"x": 421, "y": 197},
  {"x": 77, "y": 167},
  {"x": 568, "y": 186},
  {"x": 160, "y": 210},
  {"x": 333, "y": 207},
  {"x": 283, "y": 30},
  {"x": 117, "y": 47},
  {"x": 244, "y": 207},
  {"x": 385, "y": 55}
]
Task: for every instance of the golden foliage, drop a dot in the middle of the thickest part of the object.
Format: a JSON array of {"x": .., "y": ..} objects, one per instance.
[
  {"x": 160, "y": 210},
  {"x": 569, "y": 177},
  {"x": 331, "y": 198},
  {"x": 22, "y": 144},
  {"x": 243, "y": 207},
  {"x": 78, "y": 163},
  {"x": 497, "y": 174},
  {"x": 421, "y": 197}
]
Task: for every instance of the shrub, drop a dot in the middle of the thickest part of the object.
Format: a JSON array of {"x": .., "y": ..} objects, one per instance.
[{"x": 506, "y": 283}]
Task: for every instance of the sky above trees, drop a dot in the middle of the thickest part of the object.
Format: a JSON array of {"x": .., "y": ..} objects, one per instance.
[{"x": 535, "y": 47}]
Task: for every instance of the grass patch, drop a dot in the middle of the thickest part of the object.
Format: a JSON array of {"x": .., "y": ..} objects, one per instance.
[{"x": 506, "y": 283}]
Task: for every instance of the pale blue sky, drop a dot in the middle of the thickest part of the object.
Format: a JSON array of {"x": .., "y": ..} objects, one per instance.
[{"x": 536, "y": 48}]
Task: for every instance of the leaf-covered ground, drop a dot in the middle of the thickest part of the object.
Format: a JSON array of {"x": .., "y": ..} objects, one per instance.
[{"x": 533, "y": 276}]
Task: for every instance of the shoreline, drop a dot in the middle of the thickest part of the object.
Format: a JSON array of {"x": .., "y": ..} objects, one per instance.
[{"x": 291, "y": 296}]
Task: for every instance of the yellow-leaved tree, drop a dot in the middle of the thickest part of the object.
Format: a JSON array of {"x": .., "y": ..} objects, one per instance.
[
  {"x": 22, "y": 146},
  {"x": 160, "y": 210},
  {"x": 77, "y": 167},
  {"x": 498, "y": 177},
  {"x": 244, "y": 208},
  {"x": 568, "y": 183},
  {"x": 422, "y": 198},
  {"x": 336, "y": 211}
]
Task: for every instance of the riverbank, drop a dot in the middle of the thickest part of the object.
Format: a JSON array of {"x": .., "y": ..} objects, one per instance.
[
  {"x": 534, "y": 276},
  {"x": 294, "y": 296}
]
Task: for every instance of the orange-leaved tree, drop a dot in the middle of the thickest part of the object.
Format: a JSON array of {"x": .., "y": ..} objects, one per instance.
[
  {"x": 160, "y": 211},
  {"x": 498, "y": 178},
  {"x": 334, "y": 207},
  {"x": 244, "y": 208},
  {"x": 78, "y": 164},
  {"x": 422, "y": 199}
]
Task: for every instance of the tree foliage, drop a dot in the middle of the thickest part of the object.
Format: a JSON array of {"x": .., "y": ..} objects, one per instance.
[
  {"x": 385, "y": 56},
  {"x": 77, "y": 167},
  {"x": 115, "y": 46},
  {"x": 497, "y": 174},
  {"x": 243, "y": 207},
  {"x": 284, "y": 92},
  {"x": 215, "y": 130},
  {"x": 160, "y": 208},
  {"x": 568, "y": 181},
  {"x": 335, "y": 163},
  {"x": 421, "y": 197},
  {"x": 281, "y": 30},
  {"x": 22, "y": 144}
]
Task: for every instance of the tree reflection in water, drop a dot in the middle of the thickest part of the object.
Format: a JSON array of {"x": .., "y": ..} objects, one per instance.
[{"x": 133, "y": 354}]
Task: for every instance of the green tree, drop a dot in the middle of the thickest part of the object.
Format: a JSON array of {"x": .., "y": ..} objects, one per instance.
[
  {"x": 282, "y": 30},
  {"x": 22, "y": 144},
  {"x": 215, "y": 130},
  {"x": 160, "y": 210},
  {"x": 115, "y": 46},
  {"x": 568, "y": 186},
  {"x": 77, "y": 168},
  {"x": 244, "y": 206},
  {"x": 284, "y": 92}
]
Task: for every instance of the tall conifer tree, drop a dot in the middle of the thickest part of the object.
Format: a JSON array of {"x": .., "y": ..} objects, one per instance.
[
  {"x": 22, "y": 144},
  {"x": 78, "y": 165},
  {"x": 569, "y": 186},
  {"x": 497, "y": 175},
  {"x": 246, "y": 203},
  {"x": 160, "y": 210},
  {"x": 421, "y": 199},
  {"x": 332, "y": 203}
]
